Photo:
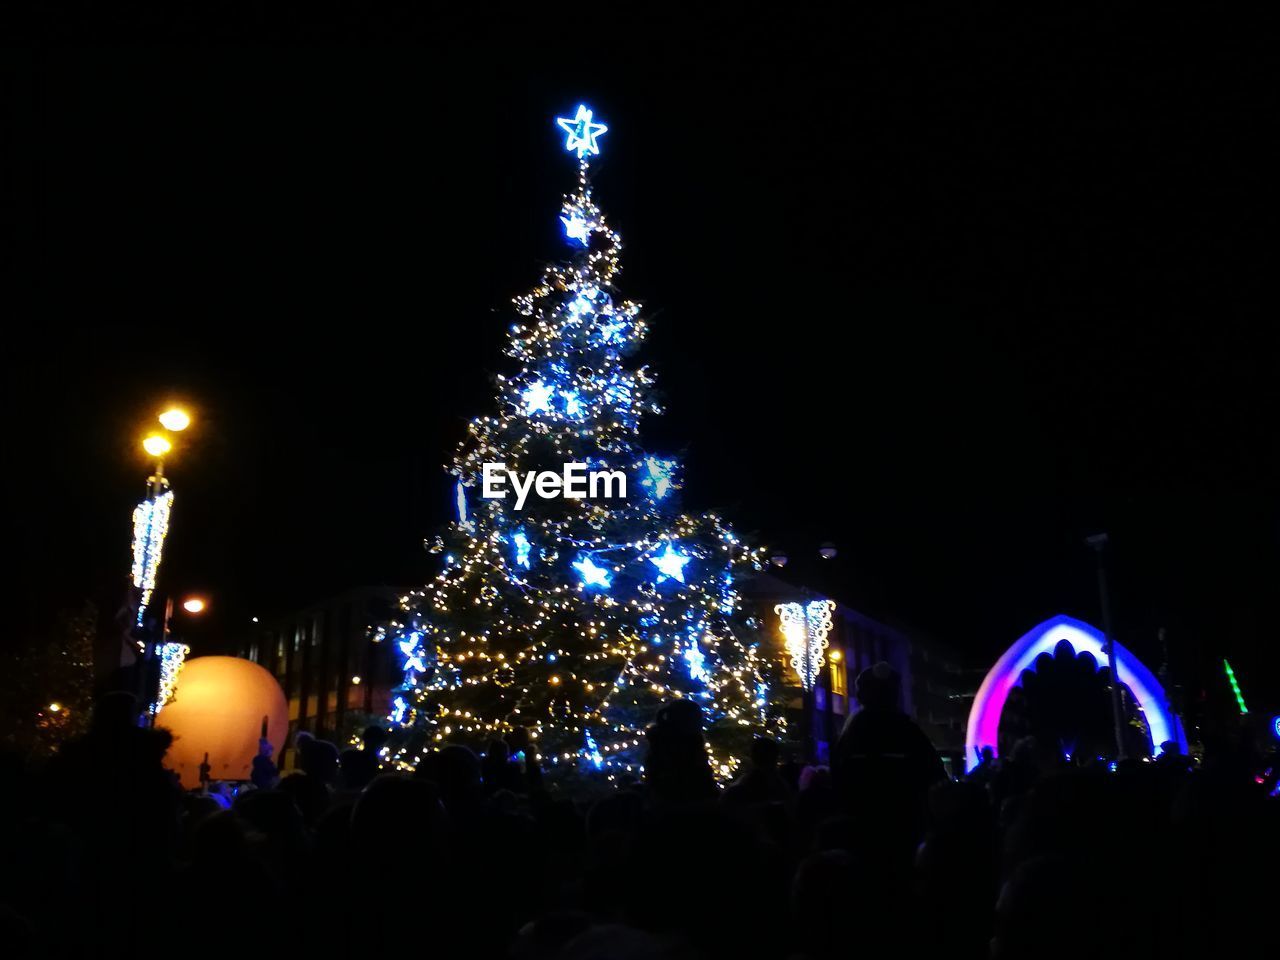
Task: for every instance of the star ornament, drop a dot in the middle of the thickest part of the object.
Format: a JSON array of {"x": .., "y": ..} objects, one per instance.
[
  {"x": 592, "y": 576},
  {"x": 582, "y": 132},
  {"x": 537, "y": 396},
  {"x": 670, "y": 564},
  {"x": 575, "y": 228}
]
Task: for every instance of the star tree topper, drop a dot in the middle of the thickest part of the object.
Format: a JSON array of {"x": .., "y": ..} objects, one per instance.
[{"x": 582, "y": 132}]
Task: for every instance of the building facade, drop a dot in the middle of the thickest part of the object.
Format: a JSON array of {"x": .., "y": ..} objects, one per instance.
[
  {"x": 335, "y": 676},
  {"x": 936, "y": 689}
]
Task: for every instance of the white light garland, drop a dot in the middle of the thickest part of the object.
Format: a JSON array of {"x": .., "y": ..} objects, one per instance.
[
  {"x": 150, "y": 526},
  {"x": 805, "y": 628},
  {"x": 172, "y": 657}
]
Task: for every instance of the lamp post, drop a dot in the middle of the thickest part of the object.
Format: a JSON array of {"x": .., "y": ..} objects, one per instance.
[
  {"x": 150, "y": 529},
  {"x": 1099, "y": 542}
]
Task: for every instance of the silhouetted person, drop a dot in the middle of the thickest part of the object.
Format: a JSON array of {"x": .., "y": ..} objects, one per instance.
[
  {"x": 111, "y": 789},
  {"x": 676, "y": 767},
  {"x": 883, "y": 764},
  {"x": 760, "y": 782},
  {"x": 317, "y": 758},
  {"x": 264, "y": 771}
]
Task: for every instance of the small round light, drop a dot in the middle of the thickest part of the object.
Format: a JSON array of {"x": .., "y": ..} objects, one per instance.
[
  {"x": 175, "y": 419},
  {"x": 156, "y": 445},
  {"x": 55, "y": 707},
  {"x": 194, "y": 605},
  {"x": 355, "y": 681}
]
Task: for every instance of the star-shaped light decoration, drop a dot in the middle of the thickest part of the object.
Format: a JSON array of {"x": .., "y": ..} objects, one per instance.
[
  {"x": 582, "y": 132},
  {"x": 659, "y": 475},
  {"x": 610, "y": 329},
  {"x": 576, "y": 228},
  {"x": 592, "y": 576},
  {"x": 572, "y": 403},
  {"x": 696, "y": 661},
  {"x": 537, "y": 396},
  {"x": 670, "y": 564}
]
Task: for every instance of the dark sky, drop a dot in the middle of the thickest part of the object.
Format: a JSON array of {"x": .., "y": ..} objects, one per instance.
[{"x": 951, "y": 290}]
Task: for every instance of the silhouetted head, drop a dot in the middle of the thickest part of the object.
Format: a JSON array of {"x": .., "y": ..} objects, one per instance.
[
  {"x": 373, "y": 737},
  {"x": 879, "y": 687},
  {"x": 457, "y": 771},
  {"x": 115, "y": 711},
  {"x": 764, "y": 753},
  {"x": 681, "y": 717}
]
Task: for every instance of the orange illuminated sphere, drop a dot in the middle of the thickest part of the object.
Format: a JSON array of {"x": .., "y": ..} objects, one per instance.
[{"x": 217, "y": 708}]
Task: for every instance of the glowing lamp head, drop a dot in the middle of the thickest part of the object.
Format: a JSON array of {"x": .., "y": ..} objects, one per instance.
[
  {"x": 156, "y": 445},
  {"x": 193, "y": 605},
  {"x": 175, "y": 419},
  {"x": 55, "y": 707}
]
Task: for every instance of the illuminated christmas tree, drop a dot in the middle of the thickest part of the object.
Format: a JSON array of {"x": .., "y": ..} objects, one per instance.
[{"x": 578, "y": 617}]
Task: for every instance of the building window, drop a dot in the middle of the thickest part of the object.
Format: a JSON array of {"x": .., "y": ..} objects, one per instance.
[{"x": 839, "y": 683}]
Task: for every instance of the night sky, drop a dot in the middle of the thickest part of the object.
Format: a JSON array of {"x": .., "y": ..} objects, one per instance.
[{"x": 950, "y": 290}]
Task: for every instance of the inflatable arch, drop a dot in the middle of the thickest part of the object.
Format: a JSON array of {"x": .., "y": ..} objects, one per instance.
[{"x": 984, "y": 717}]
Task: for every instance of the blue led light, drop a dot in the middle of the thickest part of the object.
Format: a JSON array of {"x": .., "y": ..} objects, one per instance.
[
  {"x": 658, "y": 476},
  {"x": 696, "y": 661},
  {"x": 582, "y": 131},
  {"x": 413, "y": 656},
  {"x": 670, "y": 564},
  {"x": 398, "y": 709},
  {"x": 572, "y": 403},
  {"x": 537, "y": 397},
  {"x": 521, "y": 543},
  {"x": 611, "y": 329},
  {"x": 460, "y": 501},
  {"x": 576, "y": 228},
  {"x": 592, "y": 576},
  {"x": 591, "y": 752}
]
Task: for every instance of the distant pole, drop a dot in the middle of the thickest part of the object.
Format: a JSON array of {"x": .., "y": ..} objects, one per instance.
[
  {"x": 1099, "y": 543},
  {"x": 806, "y": 688}
]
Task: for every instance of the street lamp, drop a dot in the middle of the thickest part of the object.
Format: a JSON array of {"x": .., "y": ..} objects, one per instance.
[
  {"x": 156, "y": 445},
  {"x": 175, "y": 419},
  {"x": 1099, "y": 542},
  {"x": 150, "y": 529},
  {"x": 193, "y": 605}
]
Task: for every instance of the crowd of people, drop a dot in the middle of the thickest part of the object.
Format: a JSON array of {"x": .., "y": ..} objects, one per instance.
[{"x": 477, "y": 856}]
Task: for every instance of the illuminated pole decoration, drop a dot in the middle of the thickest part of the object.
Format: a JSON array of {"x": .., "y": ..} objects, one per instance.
[
  {"x": 984, "y": 716},
  {"x": 172, "y": 657},
  {"x": 578, "y": 618},
  {"x": 150, "y": 527},
  {"x": 1235, "y": 687},
  {"x": 805, "y": 627}
]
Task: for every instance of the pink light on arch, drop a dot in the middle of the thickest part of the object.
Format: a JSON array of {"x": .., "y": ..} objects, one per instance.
[{"x": 984, "y": 716}]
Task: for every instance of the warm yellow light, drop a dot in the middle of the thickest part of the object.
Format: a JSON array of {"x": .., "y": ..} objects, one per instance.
[
  {"x": 194, "y": 605},
  {"x": 156, "y": 445},
  {"x": 175, "y": 419},
  {"x": 835, "y": 656},
  {"x": 55, "y": 707},
  {"x": 355, "y": 681}
]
